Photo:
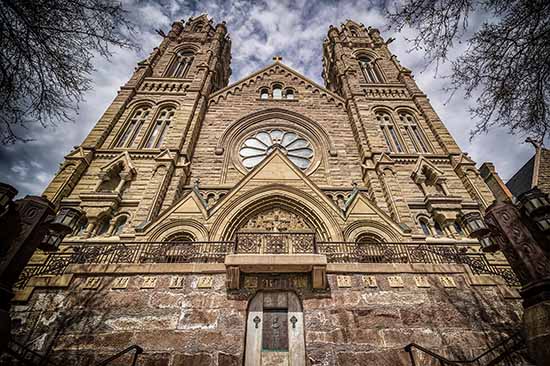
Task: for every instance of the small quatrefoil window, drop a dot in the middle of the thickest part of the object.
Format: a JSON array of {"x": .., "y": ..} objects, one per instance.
[{"x": 257, "y": 147}]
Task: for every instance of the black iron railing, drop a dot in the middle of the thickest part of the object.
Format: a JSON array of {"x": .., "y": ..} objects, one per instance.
[
  {"x": 348, "y": 252},
  {"x": 262, "y": 243},
  {"x": 128, "y": 253},
  {"x": 505, "y": 350},
  {"x": 25, "y": 355}
]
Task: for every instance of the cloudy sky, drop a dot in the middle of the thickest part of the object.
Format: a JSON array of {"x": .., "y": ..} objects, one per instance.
[{"x": 259, "y": 30}]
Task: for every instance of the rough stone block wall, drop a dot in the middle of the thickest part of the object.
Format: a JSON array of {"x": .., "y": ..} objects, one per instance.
[{"x": 354, "y": 325}]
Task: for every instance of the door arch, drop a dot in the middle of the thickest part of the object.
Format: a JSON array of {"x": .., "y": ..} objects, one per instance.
[{"x": 275, "y": 330}]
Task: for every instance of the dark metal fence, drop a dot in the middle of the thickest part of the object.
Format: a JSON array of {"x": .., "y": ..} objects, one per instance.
[
  {"x": 128, "y": 253},
  {"x": 262, "y": 243},
  {"x": 348, "y": 252}
]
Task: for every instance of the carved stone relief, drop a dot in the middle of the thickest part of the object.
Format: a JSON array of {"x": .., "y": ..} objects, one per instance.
[{"x": 276, "y": 220}]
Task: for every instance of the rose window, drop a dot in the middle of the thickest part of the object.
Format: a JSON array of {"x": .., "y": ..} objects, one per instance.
[{"x": 257, "y": 147}]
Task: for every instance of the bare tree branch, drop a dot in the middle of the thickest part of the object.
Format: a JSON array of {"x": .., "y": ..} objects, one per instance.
[
  {"x": 506, "y": 67},
  {"x": 46, "y": 57}
]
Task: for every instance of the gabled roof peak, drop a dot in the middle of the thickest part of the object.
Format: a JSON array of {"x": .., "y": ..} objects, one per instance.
[{"x": 276, "y": 67}]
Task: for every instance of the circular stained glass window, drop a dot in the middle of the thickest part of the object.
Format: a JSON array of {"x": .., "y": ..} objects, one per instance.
[{"x": 257, "y": 147}]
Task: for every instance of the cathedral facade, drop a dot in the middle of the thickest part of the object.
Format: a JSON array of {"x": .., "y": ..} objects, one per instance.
[{"x": 273, "y": 221}]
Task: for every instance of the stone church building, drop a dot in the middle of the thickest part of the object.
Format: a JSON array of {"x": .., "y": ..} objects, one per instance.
[{"x": 272, "y": 221}]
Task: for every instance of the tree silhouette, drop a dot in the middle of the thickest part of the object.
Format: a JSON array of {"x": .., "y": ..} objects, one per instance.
[
  {"x": 506, "y": 66},
  {"x": 46, "y": 54}
]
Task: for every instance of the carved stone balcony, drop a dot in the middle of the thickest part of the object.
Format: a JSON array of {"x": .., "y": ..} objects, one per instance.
[{"x": 280, "y": 252}]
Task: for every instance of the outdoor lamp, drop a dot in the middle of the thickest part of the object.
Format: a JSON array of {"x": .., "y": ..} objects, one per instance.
[
  {"x": 489, "y": 244},
  {"x": 534, "y": 202},
  {"x": 474, "y": 224},
  {"x": 543, "y": 223},
  {"x": 68, "y": 216},
  {"x": 64, "y": 223},
  {"x": 7, "y": 194}
]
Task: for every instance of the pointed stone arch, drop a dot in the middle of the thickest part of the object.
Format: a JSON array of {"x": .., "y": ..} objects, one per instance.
[{"x": 315, "y": 214}]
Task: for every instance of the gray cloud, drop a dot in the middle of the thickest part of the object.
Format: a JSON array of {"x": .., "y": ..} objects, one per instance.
[{"x": 259, "y": 31}]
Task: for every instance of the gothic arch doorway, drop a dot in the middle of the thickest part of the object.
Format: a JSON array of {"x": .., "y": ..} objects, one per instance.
[{"x": 275, "y": 330}]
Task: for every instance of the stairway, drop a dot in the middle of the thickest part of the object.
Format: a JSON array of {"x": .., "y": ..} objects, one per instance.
[
  {"x": 511, "y": 351},
  {"x": 28, "y": 357}
]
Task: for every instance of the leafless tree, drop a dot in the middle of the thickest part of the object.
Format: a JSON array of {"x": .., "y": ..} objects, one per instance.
[
  {"x": 46, "y": 55},
  {"x": 506, "y": 65}
]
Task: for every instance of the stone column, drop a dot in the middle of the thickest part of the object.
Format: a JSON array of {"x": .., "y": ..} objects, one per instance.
[
  {"x": 532, "y": 266},
  {"x": 536, "y": 322}
]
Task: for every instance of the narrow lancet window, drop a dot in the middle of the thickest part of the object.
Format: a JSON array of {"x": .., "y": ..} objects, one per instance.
[
  {"x": 391, "y": 136},
  {"x": 162, "y": 124},
  {"x": 370, "y": 70},
  {"x": 277, "y": 92},
  {"x": 414, "y": 131},
  {"x": 181, "y": 64},
  {"x": 128, "y": 137}
]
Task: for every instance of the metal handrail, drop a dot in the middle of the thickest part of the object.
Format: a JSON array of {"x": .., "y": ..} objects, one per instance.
[
  {"x": 135, "y": 347},
  {"x": 22, "y": 356},
  {"x": 445, "y": 361},
  {"x": 39, "y": 359}
]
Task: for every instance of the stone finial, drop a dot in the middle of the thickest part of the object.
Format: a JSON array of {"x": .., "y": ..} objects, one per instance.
[
  {"x": 278, "y": 58},
  {"x": 197, "y": 182}
]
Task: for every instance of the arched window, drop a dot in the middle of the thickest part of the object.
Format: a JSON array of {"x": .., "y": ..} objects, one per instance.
[
  {"x": 198, "y": 27},
  {"x": 277, "y": 92},
  {"x": 182, "y": 250},
  {"x": 103, "y": 226},
  {"x": 81, "y": 227},
  {"x": 369, "y": 248},
  {"x": 128, "y": 138},
  {"x": 264, "y": 93},
  {"x": 368, "y": 238},
  {"x": 389, "y": 131},
  {"x": 289, "y": 94},
  {"x": 160, "y": 127},
  {"x": 181, "y": 237},
  {"x": 458, "y": 228},
  {"x": 181, "y": 64},
  {"x": 415, "y": 133},
  {"x": 425, "y": 227},
  {"x": 370, "y": 70},
  {"x": 119, "y": 225},
  {"x": 438, "y": 229}
]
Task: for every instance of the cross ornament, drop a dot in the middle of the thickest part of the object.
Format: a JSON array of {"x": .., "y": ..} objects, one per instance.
[
  {"x": 293, "y": 320},
  {"x": 256, "y": 321}
]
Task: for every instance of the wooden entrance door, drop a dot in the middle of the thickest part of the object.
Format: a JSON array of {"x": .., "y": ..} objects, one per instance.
[{"x": 275, "y": 330}]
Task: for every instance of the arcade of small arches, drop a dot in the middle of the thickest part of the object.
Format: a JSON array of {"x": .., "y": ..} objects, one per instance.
[{"x": 277, "y": 91}]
